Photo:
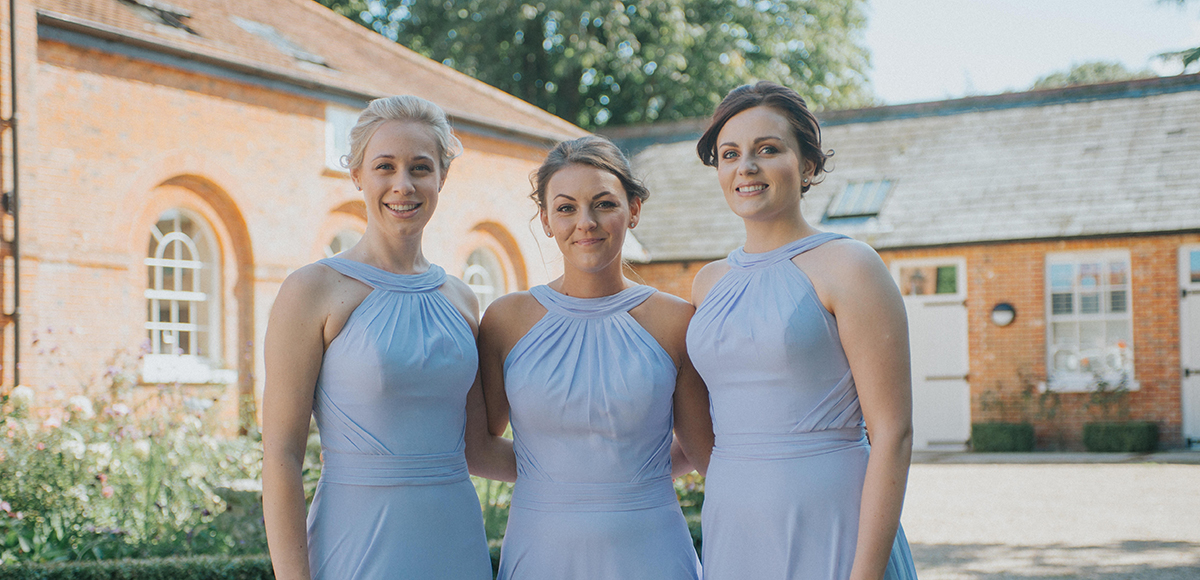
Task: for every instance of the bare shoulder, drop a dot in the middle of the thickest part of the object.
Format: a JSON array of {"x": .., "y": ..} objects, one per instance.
[
  {"x": 706, "y": 277},
  {"x": 666, "y": 317},
  {"x": 508, "y": 318},
  {"x": 309, "y": 287},
  {"x": 846, "y": 271},
  {"x": 462, "y": 298}
]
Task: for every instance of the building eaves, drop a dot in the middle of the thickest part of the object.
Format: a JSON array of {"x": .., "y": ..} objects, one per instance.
[
  {"x": 1039, "y": 98},
  {"x": 341, "y": 90}
]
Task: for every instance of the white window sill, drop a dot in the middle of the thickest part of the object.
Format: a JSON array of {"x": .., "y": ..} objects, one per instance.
[
  {"x": 1067, "y": 382},
  {"x": 183, "y": 369}
]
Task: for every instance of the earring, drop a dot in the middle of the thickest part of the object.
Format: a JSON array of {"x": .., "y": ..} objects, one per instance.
[
  {"x": 806, "y": 180},
  {"x": 549, "y": 234},
  {"x": 632, "y": 224}
]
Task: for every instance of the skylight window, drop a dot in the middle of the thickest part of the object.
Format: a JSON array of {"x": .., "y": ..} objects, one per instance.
[
  {"x": 860, "y": 199},
  {"x": 161, "y": 13},
  {"x": 270, "y": 34}
]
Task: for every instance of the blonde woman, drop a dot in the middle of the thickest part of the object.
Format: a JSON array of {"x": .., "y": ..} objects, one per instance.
[{"x": 378, "y": 344}]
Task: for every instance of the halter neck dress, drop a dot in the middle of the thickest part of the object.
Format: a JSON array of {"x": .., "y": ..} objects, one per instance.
[
  {"x": 784, "y": 484},
  {"x": 590, "y": 394},
  {"x": 394, "y": 499}
]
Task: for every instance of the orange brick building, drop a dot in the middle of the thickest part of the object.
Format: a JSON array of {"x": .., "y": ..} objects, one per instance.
[
  {"x": 176, "y": 160},
  {"x": 1077, "y": 210}
]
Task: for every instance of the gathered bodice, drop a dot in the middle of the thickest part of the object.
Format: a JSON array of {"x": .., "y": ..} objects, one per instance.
[
  {"x": 769, "y": 351},
  {"x": 590, "y": 392},
  {"x": 395, "y": 379}
]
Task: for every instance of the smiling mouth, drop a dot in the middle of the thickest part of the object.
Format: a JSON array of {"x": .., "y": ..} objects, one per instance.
[
  {"x": 751, "y": 188},
  {"x": 402, "y": 207},
  {"x": 589, "y": 241}
]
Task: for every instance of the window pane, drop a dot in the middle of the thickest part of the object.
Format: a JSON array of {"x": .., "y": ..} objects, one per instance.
[
  {"x": 185, "y": 343},
  {"x": 1062, "y": 303},
  {"x": 1091, "y": 336},
  {"x": 846, "y": 203},
  {"x": 1117, "y": 275},
  {"x": 1089, "y": 275},
  {"x": 1061, "y": 276},
  {"x": 1117, "y": 301},
  {"x": 1089, "y": 303},
  {"x": 1119, "y": 334},
  {"x": 1195, "y": 265},
  {"x": 1064, "y": 333},
  {"x": 168, "y": 279},
  {"x": 916, "y": 281},
  {"x": 185, "y": 309},
  {"x": 947, "y": 280},
  {"x": 1065, "y": 360}
]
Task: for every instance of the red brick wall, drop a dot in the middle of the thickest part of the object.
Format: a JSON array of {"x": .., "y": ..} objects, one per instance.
[
  {"x": 1005, "y": 361},
  {"x": 109, "y": 142}
]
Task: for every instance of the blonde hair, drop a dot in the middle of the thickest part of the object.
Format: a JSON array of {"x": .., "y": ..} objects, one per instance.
[{"x": 402, "y": 108}]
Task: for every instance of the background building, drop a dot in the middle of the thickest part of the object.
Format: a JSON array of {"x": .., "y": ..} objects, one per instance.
[
  {"x": 1076, "y": 209},
  {"x": 177, "y": 160}
]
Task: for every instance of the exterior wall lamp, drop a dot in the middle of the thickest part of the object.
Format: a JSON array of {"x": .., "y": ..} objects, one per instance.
[{"x": 1003, "y": 314}]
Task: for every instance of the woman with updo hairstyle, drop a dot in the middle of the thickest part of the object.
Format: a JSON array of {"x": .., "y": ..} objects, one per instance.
[
  {"x": 802, "y": 340},
  {"x": 378, "y": 345},
  {"x": 592, "y": 370}
]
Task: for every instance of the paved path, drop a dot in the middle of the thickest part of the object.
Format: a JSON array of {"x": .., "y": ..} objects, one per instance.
[{"x": 969, "y": 521}]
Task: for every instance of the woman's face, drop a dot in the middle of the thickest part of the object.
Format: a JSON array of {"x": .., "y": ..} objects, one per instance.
[
  {"x": 400, "y": 177},
  {"x": 587, "y": 211},
  {"x": 759, "y": 164}
]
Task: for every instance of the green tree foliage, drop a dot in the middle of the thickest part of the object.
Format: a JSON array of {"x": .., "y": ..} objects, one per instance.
[
  {"x": 1090, "y": 73},
  {"x": 598, "y": 62},
  {"x": 1187, "y": 56}
]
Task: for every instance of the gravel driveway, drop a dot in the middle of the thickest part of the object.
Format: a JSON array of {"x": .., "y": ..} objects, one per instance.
[{"x": 1089, "y": 521}]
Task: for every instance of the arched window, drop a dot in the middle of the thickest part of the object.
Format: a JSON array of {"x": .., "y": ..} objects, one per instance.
[
  {"x": 183, "y": 305},
  {"x": 343, "y": 241},
  {"x": 485, "y": 276}
]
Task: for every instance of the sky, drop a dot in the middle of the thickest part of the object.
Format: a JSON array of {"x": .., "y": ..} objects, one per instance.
[{"x": 929, "y": 50}]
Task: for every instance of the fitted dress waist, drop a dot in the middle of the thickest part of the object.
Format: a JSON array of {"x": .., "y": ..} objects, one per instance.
[
  {"x": 388, "y": 470},
  {"x": 760, "y": 446},
  {"x": 557, "y": 496}
]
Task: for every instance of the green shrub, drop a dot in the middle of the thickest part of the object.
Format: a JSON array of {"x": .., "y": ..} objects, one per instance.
[
  {"x": 1130, "y": 436},
  {"x": 992, "y": 437},
  {"x": 101, "y": 479},
  {"x": 194, "y": 568}
]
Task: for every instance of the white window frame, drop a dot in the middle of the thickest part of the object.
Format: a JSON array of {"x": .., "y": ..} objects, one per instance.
[
  {"x": 338, "y": 122},
  {"x": 483, "y": 281},
  {"x": 858, "y": 201},
  {"x": 1082, "y": 381},
  {"x": 159, "y": 366}
]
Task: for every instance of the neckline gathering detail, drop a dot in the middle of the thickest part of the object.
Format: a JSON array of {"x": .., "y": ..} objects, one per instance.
[
  {"x": 427, "y": 281},
  {"x": 740, "y": 259},
  {"x": 559, "y": 303}
]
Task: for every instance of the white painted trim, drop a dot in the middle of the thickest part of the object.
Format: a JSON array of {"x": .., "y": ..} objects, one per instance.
[
  {"x": 1079, "y": 382},
  {"x": 1190, "y": 431},
  {"x": 957, "y": 261}
]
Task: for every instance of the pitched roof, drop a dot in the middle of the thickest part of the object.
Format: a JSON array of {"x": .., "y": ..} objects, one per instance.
[
  {"x": 302, "y": 42},
  {"x": 1112, "y": 159}
]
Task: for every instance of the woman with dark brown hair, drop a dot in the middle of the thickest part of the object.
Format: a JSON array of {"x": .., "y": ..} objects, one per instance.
[
  {"x": 802, "y": 340},
  {"x": 593, "y": 371}
]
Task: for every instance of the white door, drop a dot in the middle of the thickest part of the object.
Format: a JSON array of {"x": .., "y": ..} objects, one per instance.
[
  {"x": 935, "y": 296},
  {"x": 1189, "y": 343}
]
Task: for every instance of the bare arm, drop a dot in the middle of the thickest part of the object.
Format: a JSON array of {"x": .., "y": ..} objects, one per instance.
[
  {"x": 293, "y": 350},
  {"x": 874, "y": 331},
  {"x": 488, "y": 455},
  {"x": 666, "y": 318}
]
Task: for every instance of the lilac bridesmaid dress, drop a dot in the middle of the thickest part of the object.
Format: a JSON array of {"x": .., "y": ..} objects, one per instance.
[
  {"x": 785, "y": 482},
  {"x": 394, "y": 499},
  {"x": 590, "y": 394}
]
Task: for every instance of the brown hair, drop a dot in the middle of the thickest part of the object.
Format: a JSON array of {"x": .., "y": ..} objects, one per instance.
[
  {"x": 592, "y": 150},
  {"x": 782, "y": 99}
]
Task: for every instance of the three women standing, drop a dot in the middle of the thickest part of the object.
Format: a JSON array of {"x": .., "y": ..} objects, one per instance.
[{"x": 802, "y": 341}]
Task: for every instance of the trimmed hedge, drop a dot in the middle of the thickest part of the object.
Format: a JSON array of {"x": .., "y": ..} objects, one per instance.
[
  {"x": 993, "y": 437},
  {"x": 195, "y": 568},
  {"x": 1130, "y": 436}
]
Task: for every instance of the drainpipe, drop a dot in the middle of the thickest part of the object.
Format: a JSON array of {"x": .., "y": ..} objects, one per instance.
[{"x": 11, "y": 204}]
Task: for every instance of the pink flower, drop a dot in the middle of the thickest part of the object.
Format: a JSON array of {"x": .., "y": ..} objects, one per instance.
[
  {"x": 53, "y": 423},
  {"x": 41, "y": 446},
  {"x": 106, "y": 491},
  {"x": 103, "y": 478},
  {"x": 4, "y": 506}
]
